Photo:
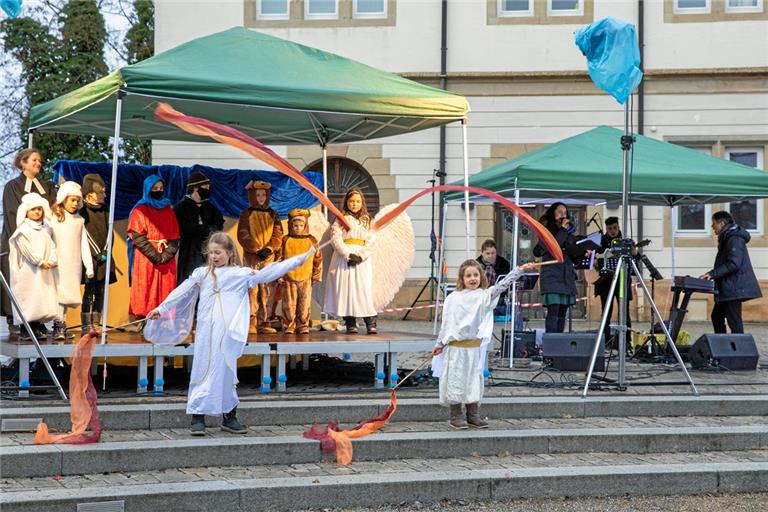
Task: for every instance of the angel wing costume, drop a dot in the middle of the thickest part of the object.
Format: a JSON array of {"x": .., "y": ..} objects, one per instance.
[
  {"x": 467, "y": 316},
  {"x": 386, "y": 259},
  {"x": 223, "y": 315}
]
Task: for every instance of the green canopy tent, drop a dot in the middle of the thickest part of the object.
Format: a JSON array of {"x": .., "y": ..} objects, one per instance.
[
  {"x": 275, "y": 90},
  {"x": 588, "y": 166}
]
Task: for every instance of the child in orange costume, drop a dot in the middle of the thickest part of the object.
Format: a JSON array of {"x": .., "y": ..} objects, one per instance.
[
  {"x": 297, "y": 284},
  {"x": 260, "y": 233}
]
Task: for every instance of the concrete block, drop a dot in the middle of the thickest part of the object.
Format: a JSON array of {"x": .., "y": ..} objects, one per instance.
[
  {"x": 751, "y": 477},
  {"x": 30, "y": 460},
  {"x": 363, "y": 490}
]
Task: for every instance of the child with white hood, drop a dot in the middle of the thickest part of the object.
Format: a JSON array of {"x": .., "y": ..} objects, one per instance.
[
  {"x": 70, "y": 237},
  {"x": 32, "y": 260}
]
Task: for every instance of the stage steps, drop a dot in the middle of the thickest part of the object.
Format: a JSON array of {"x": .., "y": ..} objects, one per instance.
[
  {"x": 535, "y": 447},
  {"x": 164, "y": 414}
]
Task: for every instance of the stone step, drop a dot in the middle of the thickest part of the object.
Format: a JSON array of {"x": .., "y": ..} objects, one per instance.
[
  {"x": 300, "y": 486},
  {"x": 179, "y": 450},
  {"x": 150, "y": 416}
]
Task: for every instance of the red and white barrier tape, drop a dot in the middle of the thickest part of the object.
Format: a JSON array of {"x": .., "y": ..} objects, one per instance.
[{"x": 525, "y": 305}]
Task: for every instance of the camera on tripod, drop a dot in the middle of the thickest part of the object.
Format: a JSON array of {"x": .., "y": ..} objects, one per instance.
[{"x": 622, "y": 247}]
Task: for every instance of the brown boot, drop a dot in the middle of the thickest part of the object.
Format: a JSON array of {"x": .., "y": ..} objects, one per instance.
[
  {"x": 473, "y": 416},
  {"x": 351, "y": 323},
  {"x": 457, "y": 419}
]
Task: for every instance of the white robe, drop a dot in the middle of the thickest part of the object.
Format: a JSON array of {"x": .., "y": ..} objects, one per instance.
[
  {"x": 467, "y": 315},
  {"x": 223, "y": 315},
  {"x": 35, "y": 289},
  {"x": 74, "y": 253},
  {"x": 349, "y": 290}
]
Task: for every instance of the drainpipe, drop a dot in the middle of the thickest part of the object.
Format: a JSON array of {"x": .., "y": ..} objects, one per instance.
[
  {"x": 443, "y": 85},
  {"x": 640, "y": 99}
]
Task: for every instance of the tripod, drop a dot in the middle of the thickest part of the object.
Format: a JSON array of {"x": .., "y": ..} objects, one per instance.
[
  {"x": 623, "y": 249},
  {"x": 432, "y": 282}
]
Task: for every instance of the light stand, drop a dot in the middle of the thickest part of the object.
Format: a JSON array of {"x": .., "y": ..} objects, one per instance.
[
  {"x": 432, "y": 281},
  {"x": 623, "y": 248}
]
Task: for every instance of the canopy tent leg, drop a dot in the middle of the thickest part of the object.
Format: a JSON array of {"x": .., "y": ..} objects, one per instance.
[
  {"x": 513, "y": 294},
  {"x": 110, "y": 230},
  {"x": 672, "y": 237},
  {"x": 466, "y": 182},
  {"x": 30, "y": 139},
  {"x": 325, "y": 178}
]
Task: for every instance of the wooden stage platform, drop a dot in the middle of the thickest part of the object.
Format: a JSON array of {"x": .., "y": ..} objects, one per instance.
[{"x": 385, "y": 346}]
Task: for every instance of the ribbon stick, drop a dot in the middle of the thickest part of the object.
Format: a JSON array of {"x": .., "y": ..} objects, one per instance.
[
  {"x": 236, "y": 138},
  {"x": 546, "y": 238}
]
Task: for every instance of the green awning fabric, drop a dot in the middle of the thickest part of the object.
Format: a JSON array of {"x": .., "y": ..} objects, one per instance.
[
  {"x": 589, "y": 167},
  {"x": 272, "y": 89}
]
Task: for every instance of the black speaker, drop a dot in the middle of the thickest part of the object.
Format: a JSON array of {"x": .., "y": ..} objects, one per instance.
[
  {"x": 726, "y": 351},
  {"x": 524, "y": 346},
  {"x": 571, "y": 350}
]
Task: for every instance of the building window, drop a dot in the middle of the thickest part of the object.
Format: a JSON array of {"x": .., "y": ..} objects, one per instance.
[
  {"x": 344, "y": 174},
  {"x": 565, "y": 7},
  {"x": 369, "y": 9},
  {"x": 744, "y": 6},
  {"x": 321, "y": 9},
  {"x": 508, "y": 8},
  {"x": 272, "y": 9},
  {"x": 747, "y": 213},
  {"x": 693, "y": 219},
  {"x": 691, "y": 6}
]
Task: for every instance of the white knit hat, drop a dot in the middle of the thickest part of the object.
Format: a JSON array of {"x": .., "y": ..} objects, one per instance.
[
  {"x": 69, "y": 188},
  {"x": 29, "y": 201}
]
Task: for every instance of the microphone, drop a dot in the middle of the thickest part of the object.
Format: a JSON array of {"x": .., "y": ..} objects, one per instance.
[{"x": 593, "y": 219}]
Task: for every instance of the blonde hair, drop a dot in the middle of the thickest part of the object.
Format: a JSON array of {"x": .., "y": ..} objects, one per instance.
[
  {"x": 227, "y": 242},
  {"x": 464, "y": 266},
  {"x": 58, "y": 209}
]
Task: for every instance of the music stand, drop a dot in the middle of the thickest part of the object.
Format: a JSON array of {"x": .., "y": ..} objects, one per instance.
[{"x": 525, "y": 283}]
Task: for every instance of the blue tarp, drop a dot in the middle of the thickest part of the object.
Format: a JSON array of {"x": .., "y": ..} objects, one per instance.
[
  {"x": 613, "y": 56},
  {"x": 227, "y": 185}
]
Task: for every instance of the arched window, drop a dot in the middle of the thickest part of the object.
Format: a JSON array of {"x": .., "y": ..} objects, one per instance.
[{"x": 344, "y": 174}]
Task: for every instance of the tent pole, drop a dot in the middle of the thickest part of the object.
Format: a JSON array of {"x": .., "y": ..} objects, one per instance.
[
  {"x": 672, "y": 237},
  {"x": 325, "y": 176},
  {"x": 110, "y": 230},
  {"x": 30, "y": 139},
  {"x": 513, "y": 297},
  {"x": 466, "y": 182}
]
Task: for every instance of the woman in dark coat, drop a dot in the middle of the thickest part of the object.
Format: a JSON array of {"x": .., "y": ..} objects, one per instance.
[
  {"x": 557, "y": 281},
  {"x": 29, "y": 162}
]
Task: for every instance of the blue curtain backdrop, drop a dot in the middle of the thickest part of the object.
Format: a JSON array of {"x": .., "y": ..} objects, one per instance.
[{"x": 227, "y": 185}]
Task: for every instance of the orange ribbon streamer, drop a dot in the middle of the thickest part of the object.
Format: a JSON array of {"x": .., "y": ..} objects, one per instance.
[
  {"x": 82, "y": 399},
  {"x": 546, "y": 238},
  {"x": 236, "y": 138}
]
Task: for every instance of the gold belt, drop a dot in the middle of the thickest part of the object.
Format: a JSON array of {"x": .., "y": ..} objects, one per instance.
[
  {"x": 465, "y": 343},
  {"x": 354, "y": 241}
]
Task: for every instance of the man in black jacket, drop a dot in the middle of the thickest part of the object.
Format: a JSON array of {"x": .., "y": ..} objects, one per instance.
[
  {"x": 735, "y": 280},
  {"x": 494, "y": 266}
]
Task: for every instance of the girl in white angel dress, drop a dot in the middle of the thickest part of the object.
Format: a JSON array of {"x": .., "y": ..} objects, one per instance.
[
  {"x": 462, "y": 344},
  {"x": 221, "y": 332}
]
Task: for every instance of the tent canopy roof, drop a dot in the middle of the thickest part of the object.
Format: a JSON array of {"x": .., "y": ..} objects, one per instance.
[
  {"x": 588, "y": 166},
  {"x": 275, "y": 90}
]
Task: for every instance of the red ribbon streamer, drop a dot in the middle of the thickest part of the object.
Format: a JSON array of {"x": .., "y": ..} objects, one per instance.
[
  {"x": 546, "y": 238},
  {"x": 236, "y": 138}
]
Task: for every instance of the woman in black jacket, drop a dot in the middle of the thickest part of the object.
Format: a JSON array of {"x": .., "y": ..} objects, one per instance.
[{"x": 557, "y": 281}]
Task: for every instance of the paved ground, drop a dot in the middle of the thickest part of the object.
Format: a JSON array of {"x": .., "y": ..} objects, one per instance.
[
  {"x": 410, "y": 466},
  {"x": 709, "y": 503}
]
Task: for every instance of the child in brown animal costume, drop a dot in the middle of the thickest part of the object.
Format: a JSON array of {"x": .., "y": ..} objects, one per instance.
[
  {"x": 297, "y": 284},
  {"x": 260, "y": 233}
]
